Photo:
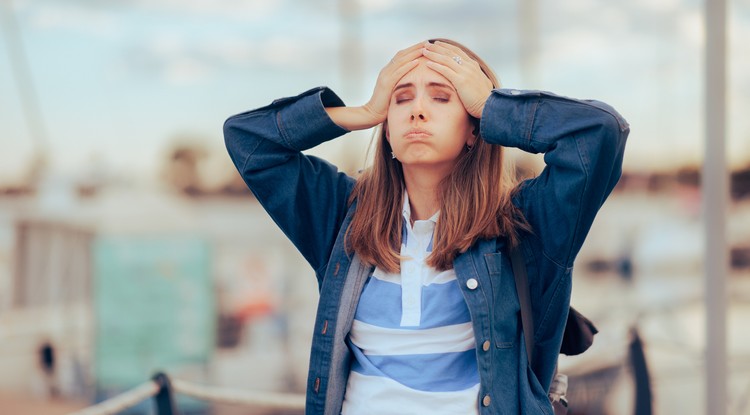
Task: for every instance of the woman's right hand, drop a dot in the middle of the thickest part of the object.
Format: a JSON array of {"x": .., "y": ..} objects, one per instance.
[
  {"x": 376, "y": 109},
  {"x": 404, "y": 61}
]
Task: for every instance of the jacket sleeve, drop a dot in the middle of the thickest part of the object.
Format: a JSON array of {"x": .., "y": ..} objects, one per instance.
[
  {"x": 306, "y": 196},
  {"x": 583, "y": 144}
]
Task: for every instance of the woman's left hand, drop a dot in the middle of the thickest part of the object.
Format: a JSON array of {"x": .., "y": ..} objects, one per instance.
[{"x": 472, "y": 85}]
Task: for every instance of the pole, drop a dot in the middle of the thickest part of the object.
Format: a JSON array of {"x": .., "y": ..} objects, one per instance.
[
  {"x": 164, "y": 399},
  {"x": 352, "y": 69},
  {"x": 714, "y": 187},
  {"x": 19, "y": 64},
  {"x": 528, "y": 42},
  {"x": 351, "y": 48}
]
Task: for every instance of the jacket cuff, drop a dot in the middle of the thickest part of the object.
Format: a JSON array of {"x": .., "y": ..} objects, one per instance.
[
  {"x": 508, "y": 117},
  {"x": 303, "y": 120}
]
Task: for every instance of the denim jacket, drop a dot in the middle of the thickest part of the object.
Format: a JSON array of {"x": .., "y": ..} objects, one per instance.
[{"x": 583, "y": 144}]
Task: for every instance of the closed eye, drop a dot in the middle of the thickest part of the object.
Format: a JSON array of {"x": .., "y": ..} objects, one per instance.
[{"x": 401, "y": 98}]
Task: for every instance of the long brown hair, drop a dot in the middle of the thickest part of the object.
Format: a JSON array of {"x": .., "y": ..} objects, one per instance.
[{"x": 475, "y": 201}]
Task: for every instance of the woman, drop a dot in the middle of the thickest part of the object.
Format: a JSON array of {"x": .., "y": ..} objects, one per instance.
[{"x": 418, "y": 311}]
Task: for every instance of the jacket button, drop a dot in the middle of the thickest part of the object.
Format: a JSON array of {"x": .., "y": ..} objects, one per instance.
[
  {"x": 486, "y": 400},
  {"x": 486, "y": 345},
  {"x": 472, "y": 284}
]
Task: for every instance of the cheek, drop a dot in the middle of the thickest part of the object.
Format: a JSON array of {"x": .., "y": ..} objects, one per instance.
[
  {"x": 391, "y": 124},
  {"x": 462, "y": 125},
  {"x": 395, "y": 112}
]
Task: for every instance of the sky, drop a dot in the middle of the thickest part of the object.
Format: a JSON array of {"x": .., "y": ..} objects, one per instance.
[{"x": 117, "y": 83}]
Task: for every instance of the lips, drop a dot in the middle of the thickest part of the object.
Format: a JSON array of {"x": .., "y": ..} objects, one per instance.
[{"x": 417, "y": 133}]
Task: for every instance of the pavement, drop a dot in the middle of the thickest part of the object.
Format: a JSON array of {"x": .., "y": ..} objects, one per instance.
[{"x": 16, "y": 404}]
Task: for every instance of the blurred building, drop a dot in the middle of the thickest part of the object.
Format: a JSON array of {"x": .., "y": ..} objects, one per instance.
[{"x": 99, "y": 290}]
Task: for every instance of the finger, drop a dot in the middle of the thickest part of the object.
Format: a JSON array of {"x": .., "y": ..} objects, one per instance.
[
  {"x": 447, "y": 72},
  {"x": 402, "y": 54},
  {"x": 454, "y": 53},
  {"x": 397, "y": 62},
  {"x": 440, "y": 58},
  {"x": 415, "y": 46},
  {"x": 451, "y": 50},
  {"x": 402, "y": 70},
  {"x": 409, "y": 56}
]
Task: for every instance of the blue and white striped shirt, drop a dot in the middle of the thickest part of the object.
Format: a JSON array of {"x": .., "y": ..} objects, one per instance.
[{"x": 412, "y": 337}]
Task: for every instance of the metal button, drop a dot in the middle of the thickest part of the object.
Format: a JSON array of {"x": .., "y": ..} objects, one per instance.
[
  {"x": 515, "y": 92},
  {"x": 472, "y": 284},
  {"x": 486, "y": 345},
  {"x": 486, "y": 400}
]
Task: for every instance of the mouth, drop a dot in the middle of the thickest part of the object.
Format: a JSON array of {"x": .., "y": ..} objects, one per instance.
[{"x": 417, "y": 133}]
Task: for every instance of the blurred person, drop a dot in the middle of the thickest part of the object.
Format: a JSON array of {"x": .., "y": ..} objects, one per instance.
[
  {"x": 47, "y": 364},
  {"x": 418, "y": 311}
]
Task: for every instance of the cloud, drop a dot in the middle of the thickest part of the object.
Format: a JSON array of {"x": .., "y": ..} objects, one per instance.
[
  {"x": 186, "y": 70},
  {"x": 246, "y": 10},
  {"x": 90, "y": 21},
  {"x": 180, "y": 58},
  {"x": 172, "y": 57},
  {"x": 658, "y": 6}
]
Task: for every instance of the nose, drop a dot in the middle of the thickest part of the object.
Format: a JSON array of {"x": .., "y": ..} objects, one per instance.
[{"x": 418, "y": 111}]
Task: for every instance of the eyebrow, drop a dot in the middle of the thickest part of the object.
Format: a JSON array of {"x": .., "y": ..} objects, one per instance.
[{"x": 431, "y": 84}]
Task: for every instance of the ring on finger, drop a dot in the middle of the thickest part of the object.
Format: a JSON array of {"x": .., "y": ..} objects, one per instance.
[{"x": 457, "y": 59}]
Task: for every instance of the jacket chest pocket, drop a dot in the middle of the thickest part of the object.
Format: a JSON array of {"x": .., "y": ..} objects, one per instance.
[{"x": 504, "y": 307}]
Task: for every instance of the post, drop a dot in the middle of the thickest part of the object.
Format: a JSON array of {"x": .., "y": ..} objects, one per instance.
[
  {"x": 351, "y": 54},
  {"x": 639, "y": 366},
  {"x": 528, "y": 42},
  {"x": 164, "y": 400},
  {"x": 714, "y": 188}
]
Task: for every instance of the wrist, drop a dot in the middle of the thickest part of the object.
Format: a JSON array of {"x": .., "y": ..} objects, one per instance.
[
  {"x": 370, "y": 117},
  {"x": 478, "y": 109}
]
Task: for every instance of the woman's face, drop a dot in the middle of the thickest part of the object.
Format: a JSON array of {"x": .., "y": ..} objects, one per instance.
[{"x": 428, "y": 125}]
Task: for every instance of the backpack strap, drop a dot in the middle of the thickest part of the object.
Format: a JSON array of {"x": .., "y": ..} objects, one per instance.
[
  {"x": 522, "y": 288},
  {"x": 559, "y": 387}
]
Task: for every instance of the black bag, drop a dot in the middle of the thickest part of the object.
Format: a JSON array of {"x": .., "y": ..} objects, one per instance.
[
  {"x": 577, "y": 338},
  {"x": 579, "y": 334}
]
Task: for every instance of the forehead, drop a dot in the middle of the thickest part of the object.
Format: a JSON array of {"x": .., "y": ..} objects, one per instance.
[{"x": 422, "y": 75}]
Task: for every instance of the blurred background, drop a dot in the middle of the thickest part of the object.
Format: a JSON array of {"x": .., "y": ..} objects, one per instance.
[{"x": 129, "y": 244}]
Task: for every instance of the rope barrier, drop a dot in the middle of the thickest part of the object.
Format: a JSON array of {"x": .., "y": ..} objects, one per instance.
[
  {"x": 279, "y": 401},
  {"x": 161, "y": 388},
  {"x": 122, "y": 401}
]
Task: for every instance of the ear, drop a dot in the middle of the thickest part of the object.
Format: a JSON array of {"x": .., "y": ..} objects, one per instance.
[
  {"x": 475, "y": 127},
  {"x": 387, "y": 133},
  {"x": 472, "y": 139}
]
